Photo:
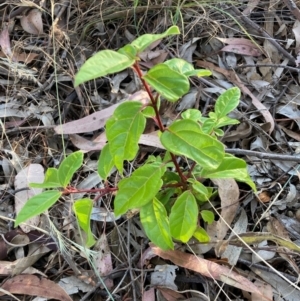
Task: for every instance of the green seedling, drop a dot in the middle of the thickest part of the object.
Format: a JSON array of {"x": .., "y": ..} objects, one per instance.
[{"x": 168, "y": 197}]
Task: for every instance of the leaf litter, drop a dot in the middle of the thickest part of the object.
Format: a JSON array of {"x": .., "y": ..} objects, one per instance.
[{"x": 43, "y": 117}]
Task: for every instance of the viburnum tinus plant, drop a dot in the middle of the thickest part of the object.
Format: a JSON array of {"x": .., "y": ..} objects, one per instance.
[{"x": 168, "y": 196}]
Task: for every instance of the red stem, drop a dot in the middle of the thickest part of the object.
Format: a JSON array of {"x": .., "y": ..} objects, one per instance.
[{"x": 158, "y": 119}]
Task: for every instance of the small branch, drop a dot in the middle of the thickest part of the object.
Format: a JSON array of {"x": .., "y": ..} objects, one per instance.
[
  {"x": 268, "y": 65},
  {"x": 291, "y": 158},
  {"x": 102, "y": 191}
]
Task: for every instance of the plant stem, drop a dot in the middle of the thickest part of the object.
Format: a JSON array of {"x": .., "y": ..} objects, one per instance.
[
  {"x": 153, "y": 100},
  {"x": 157, "y": 115},
  {"x": 102, "y": 191}
]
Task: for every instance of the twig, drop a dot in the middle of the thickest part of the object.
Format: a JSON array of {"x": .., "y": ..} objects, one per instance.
[
  {"x": 236, "y": 151},
  {"x": 268, "y": 65}
]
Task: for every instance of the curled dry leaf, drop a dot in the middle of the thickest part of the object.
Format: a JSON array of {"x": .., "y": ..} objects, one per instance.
[
  {"x": 32, "y": 285},
  {"x": 209, "y": 269},
  {"x": 33, "y": 23}
]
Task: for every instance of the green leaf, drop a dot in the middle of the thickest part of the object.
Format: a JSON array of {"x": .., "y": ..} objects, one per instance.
[
  {"x": 101, "y": 64},
  {"x": 223, "y": 121},
  {"x": 207, "y": 216},
  {"x": 171, "y": 177},
  {"x": 165, "y": 196},
  {"x": 219, "y": 132},
  {"x": 149, "y": 112},
  {"x": 201, "y": 235},
  {"x": 156, "y": 224},
  {"x": 179, "y": 65},
  {"x": 51, "y": 180},
  {"x": 231, "y": 167},
  {"x": 200, "y": 189},
  {"x": 198, "y": 72},
  {"x": 83, "y": 209},
  {"x": 183, "y": 217},
  {"x": 37, "y": 205},
  {"x": 191, "y": 114},
  {"x": 184, "y": 137},
  {"x": 140, "y": 188},
  {"x": 227, "y": 102},
  {"x": 68, "y": 167},
  {"x": 129, "y": 51},
  {"x": 167, "y": 82},
  {"x": 105, "y": 162},
  {"x": 123, "y": 131},
  {"x": 144, "y": 41}
]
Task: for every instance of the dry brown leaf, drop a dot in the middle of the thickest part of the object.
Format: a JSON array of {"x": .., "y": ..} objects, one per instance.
[
  {"x": 5, "y": 42},
  {"x": 169, "y": 294},
  {"x": 240, "y": 46},
  {"x": 33, "y": 23},
  {"x": 290, "y": 133},
  {"x": 243, "y": 130},
  {"x": 32, "y": 285},
  {"x": 209, "y": 269}
]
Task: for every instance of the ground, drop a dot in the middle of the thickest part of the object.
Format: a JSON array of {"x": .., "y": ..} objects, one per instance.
[{"x": 251, "y": 45}]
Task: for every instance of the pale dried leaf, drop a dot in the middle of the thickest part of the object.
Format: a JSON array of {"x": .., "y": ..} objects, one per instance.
[
  {"x": 164, "y": 276},
  {"x": 242, "y": 49},
  {"x": 229, "y": 195},
  {"x": 262, "y": 254},
  {"x": 102, "y": 215},
  {"x": 7, "y": 268},
  {"x": 266, "y": 290},
  {"x": 34, "y": 173},
  {"x": 232, "y": 252},
  {"x": 73, "y": 285},
  {"x": 85, "y": 144},
  {"x": 149, "y": 295},
  {"x": 296, "y": 31},
  {"x": 240, "y": 46},
  {"x": 103, "y": 260},
  {"x": 33, "y": 23}
]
